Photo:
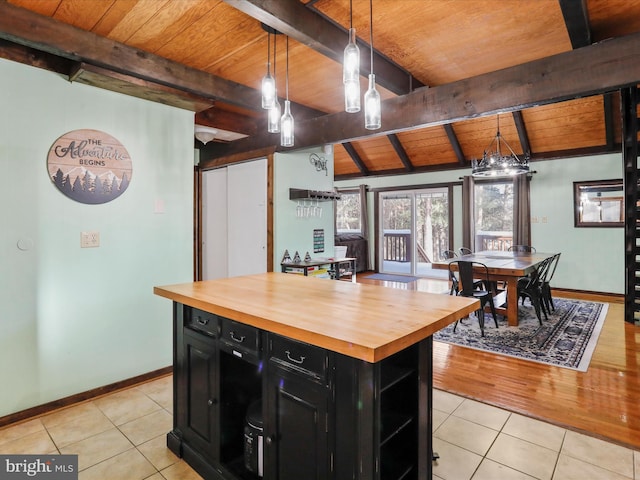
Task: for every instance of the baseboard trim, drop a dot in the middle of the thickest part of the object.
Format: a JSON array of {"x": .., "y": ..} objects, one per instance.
[
  {"x": 588, "y": 295},
  {"x": 46, "y": 408}
]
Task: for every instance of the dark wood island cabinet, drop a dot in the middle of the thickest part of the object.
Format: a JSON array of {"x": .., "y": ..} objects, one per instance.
[{"x": 286, "y": 377}]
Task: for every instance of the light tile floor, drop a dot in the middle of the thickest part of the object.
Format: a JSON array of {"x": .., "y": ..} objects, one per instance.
[{"x": 122, "y": 436}]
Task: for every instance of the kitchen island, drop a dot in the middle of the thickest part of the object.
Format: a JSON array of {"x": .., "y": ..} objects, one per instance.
[{"x": 338, "y": 373}]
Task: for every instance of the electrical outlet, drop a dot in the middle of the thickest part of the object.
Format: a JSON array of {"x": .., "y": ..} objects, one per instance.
[{"x": 89, "y": 239}]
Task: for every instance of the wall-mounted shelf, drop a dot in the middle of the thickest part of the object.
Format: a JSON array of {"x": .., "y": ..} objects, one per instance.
[{"x": 301, "y": 194}]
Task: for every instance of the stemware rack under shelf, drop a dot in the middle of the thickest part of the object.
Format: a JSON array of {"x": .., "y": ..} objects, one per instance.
[{"x": 302, "y": 194}]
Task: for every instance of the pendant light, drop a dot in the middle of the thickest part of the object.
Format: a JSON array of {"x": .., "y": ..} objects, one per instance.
[
  {"x": 372, "y": 108},
  {"x": 268, "y": 83},
  {"x": 275, "y": 112},
  {"x": 286, "y": 122},
  {"x": 351, "y": 69}
]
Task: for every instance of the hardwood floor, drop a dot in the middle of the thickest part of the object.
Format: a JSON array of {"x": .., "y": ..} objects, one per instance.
[{"x": 601, "y": 402}]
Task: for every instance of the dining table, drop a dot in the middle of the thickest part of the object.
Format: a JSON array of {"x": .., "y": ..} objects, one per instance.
[{"x": 503, "y": 266}]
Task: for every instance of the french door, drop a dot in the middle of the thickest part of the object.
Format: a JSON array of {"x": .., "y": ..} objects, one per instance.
[{"x": 414, "y": 230}]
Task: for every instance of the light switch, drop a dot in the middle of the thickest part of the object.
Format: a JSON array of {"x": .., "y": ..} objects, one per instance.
[{"x": 89, "y": 239}]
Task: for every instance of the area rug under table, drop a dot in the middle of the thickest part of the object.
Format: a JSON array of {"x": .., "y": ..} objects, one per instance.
[{"x": 567, "y": 339}]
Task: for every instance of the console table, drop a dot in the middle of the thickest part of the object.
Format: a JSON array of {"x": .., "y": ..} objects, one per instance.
[
  {"x": 341, "y": 371},
  {"x": 334, "y": 263}
]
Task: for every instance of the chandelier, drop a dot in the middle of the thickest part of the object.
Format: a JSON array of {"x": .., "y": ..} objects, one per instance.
[{"x": 494, "y": 163}]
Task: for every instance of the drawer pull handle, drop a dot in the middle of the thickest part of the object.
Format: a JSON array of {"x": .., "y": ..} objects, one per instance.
[
  {"x": 236, "y": 339},
  {"x": 202, "y": 321},
  {"x": 299, "y": 362}
]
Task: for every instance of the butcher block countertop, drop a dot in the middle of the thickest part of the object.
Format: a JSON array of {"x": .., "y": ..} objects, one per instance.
[{"x": 367, "y": 322}]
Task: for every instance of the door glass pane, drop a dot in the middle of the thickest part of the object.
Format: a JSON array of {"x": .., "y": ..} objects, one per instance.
[
  {"x": 415, "y": 231},
  {"x": 493, "y": 215},
  {"x": 432, "y": 229},
  {"x": 396, "y": 223}
]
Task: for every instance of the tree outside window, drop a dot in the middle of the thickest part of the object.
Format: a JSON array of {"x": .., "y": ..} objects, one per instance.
[
  {"x": 493, "y": 215},
  {"x": 348, "y": 213}
]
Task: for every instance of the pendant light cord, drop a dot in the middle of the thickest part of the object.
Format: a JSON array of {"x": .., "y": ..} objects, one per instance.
[
  {"x": 287, "y": 76},
  {"x": 268, "y": 52},
  {"x": 371, "y": 31},
  {"x": 350, "y": 14}
]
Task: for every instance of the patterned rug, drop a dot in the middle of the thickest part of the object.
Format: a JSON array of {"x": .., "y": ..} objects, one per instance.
[{"x": 567, "y": 339}]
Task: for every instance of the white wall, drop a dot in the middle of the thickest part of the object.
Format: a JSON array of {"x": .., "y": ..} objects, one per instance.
[
  {"x": 592, "y": 258},
  {"x": 293, "y": 170},
  {"x": 74, "y": 319}
]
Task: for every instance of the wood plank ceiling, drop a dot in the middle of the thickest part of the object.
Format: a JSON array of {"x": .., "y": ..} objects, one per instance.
[{"x": 444, "y": 68}]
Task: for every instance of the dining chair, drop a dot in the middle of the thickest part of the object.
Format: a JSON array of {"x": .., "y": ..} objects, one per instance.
[
  {"x": 531, "y": 287},
  {"x": 546, "y": 285},
  {"x": 465, "y": 251},
  {"x": 521, "y": 248},
  {"x": 467, "y": 287},
  {"x": 446, "y": 255}
]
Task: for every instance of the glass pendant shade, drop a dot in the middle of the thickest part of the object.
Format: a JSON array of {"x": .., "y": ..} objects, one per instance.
[
  {"x": 351, "y": 62},
  {"x": 286, "y": 126},
  {"x": 268, "y": 89},
  {"x": 372, "y": 113},
  {"x": 273, "y": 117},
  {"x": 352, "y": 96}
]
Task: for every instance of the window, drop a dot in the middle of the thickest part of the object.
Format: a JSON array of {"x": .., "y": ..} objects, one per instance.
[
  {"x": 348, "y": 213},
  {"x": 493, "y": 215}
]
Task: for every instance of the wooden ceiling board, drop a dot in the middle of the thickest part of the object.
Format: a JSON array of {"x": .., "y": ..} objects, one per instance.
[
  {"x": 439, "y": 47},
  {"x": 74, "y": 13},
  {"x": 377, "y": 154},
  {"x": 566, "y": 125},
  {"x": 477, "y": 135},
  {"x": 221, "y": 33},
  {"x": 43, "y": 7},
  {"x": 343, "y": 164},
  {"x": 613, "y": 18},
  {"x": 428, "y": 146},
  {"x": 112, "y": 17},
  {"x": 168, "y": 23}
]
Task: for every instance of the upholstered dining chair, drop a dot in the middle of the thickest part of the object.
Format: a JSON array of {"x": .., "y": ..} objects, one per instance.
[
  {"x": 521, "y": 248},
  {"x": 467, "y": 287}
]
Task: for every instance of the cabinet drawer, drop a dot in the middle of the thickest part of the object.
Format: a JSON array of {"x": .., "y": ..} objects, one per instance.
[
  {"x": 202, "y": 321},
  {"x": 239, "y": 336},
  {"x": 299, "y": 356}
]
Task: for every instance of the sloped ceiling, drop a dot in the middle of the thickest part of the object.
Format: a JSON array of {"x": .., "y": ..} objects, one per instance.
[{"x": 445, "y": 69}]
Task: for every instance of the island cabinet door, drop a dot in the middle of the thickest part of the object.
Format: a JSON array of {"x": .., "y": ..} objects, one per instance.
[
  {"x": 199, "y": 415},
  {"x": 297, "y": 418}
]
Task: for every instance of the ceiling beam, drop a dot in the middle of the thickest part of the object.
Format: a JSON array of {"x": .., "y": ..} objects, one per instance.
[
  {"x": 455, "y": 144},
  {"x": 401, "y": 152},
  {"x": 27, "y": 28},
  {"x": 313, "y": 30},
  {"x": 522, "y": 132},
  {"x": 356, "y": 158},
  {"x": 576, "y": 18},
  {"x": 611, "y": 65}
]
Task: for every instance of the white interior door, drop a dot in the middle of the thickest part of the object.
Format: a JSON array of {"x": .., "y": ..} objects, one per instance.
[
  {"x": 214, "y": 224},
  {"x": 247, "y": 218},
  {"x": 234, "y": 220}
]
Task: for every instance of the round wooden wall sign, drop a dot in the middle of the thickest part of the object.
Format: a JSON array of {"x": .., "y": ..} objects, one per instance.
[{"x": 89, "y": 166}]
